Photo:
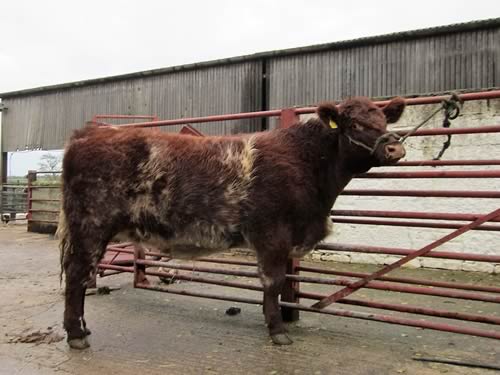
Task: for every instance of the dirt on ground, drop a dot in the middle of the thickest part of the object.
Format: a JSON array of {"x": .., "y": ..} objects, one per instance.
[{"x": 138, "y": 331}]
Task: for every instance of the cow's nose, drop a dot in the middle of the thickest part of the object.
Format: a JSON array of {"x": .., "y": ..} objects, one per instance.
[{"x": 395, "y": 151}]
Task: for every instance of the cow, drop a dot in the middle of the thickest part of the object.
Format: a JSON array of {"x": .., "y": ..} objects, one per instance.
[{"x": 192, "y": 196}]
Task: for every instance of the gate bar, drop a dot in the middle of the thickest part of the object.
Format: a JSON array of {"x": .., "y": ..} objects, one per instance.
[
  {"x": 410, "y": 309},
  {"x": 378, "y": 305},
  {"x": 406, "y": 280},
  {"x": 373, "y": 284},
  {"x": 423, "y": 193},
  {"x": 411, "y": 215},
  {"x": 432, "y": 174},
  {"x": 360, "y": 283},
  {"x": 337, "y": 312},
  {"x": 414, "y": 224},
  {"x": 439, "y": 284},
  {"x": 401, "y": 251}
]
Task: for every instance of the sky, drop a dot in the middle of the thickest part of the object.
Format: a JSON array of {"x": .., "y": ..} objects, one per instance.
[{"x": 57, "y": 41}]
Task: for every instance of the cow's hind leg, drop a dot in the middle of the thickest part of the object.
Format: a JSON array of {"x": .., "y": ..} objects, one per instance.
[
  {"x": 272, "y": 270},
  {"x": 80, "y": 264}
]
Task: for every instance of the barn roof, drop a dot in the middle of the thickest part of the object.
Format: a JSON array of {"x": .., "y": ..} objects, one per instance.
[{"x": 386, "y": 38}]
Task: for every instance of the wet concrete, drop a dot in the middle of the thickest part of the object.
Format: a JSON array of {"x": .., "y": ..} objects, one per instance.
[{"x": 138, "y": 331}]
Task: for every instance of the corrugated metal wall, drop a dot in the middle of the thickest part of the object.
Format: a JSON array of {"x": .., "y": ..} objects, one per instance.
[
  {"x": 47, "y": 120},
  {"x": 448, "y": 62},
  {"x": 401, "y": 65}
]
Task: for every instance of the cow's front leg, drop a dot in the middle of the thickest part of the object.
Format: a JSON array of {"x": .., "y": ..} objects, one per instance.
[{"x": 272, "y": 271}]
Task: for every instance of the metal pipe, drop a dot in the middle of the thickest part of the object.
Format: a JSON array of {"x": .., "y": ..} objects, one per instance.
[
  {"x": 432, "y": 174},
  {"x": 337, "y": 312},
  {"x": 434, "y": 163},
  {"x": 482, "y": 95},
  {"x": 423, "y": 193},
  {"x": 401, "y": 288},
  {"x": 205, "y": 280},
  {"x": 405, "y": 280},
  {"x": 36, "y": 187},
  {"x": 114, "y": 267},
  {"x": 298, "y": 111},
  {"x": 199, "y": 120},
  {"x": 453, "y": 131},
  {"x": 400, "y": 251},
  {"x": 410, "y": 309},
  {"x": 414, "y": 224},
  {"x": 340, "y": 281},
  {"x": 350, "y": 248},
  {"x": 43, "y": 200},
  {"x": 43, "y": 211},
  {"x": 197, "y": 268},
  {"x": 103, "y": 273},
  {"x": 125, "y": 116},
  {"x": 411, "y": 215}
]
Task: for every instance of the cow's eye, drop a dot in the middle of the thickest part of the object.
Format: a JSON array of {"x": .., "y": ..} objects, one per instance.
[{"x": 358, "y": 127}]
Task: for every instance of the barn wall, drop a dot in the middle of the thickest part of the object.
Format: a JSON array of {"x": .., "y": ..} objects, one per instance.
[
  {"x": 462, "y": 60},
  {"x": 46, "y": 120}
]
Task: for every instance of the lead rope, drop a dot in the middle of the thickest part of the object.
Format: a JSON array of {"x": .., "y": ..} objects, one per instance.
[{"x": 451, "y": 111}]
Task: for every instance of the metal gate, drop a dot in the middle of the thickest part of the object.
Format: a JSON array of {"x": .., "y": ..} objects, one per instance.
[
  {"x": 126, "y": 257},
  {"x": 13, "y": 201}
]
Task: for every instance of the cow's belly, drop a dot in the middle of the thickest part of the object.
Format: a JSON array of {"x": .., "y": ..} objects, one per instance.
[{"x": 197, "y": 240}]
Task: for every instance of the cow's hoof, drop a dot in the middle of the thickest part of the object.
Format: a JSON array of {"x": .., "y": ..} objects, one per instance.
[
  {"x": 79, "y": 344},
  {"x": 281, "y": 339},
  {"x": 87, "y": 331}
]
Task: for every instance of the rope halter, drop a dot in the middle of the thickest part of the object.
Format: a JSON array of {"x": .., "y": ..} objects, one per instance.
[
  {"x": 384, "y": 138},
  {"x": 451, "y": 108}
]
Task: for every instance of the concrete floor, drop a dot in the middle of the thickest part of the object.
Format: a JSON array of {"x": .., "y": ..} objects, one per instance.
[{"x": 138, "y": 331}]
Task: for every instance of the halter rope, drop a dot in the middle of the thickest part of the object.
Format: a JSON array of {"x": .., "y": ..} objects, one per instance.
[{"x": 450, "y": 106}]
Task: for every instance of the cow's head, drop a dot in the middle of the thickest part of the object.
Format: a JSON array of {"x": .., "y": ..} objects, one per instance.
[{"x": 363, "y": 129}]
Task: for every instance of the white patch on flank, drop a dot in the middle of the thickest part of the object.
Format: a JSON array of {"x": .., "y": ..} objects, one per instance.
[{"x": 197, "y": 238}]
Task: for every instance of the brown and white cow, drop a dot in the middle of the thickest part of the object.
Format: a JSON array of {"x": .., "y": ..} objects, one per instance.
[{"x": 189, "y": 196}]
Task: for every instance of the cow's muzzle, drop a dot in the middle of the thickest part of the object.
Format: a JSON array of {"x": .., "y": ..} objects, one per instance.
[{"x": 394, "y": 151}]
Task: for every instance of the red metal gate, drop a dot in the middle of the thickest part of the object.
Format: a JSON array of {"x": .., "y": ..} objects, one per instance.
[{"x": 140, "y": 261}]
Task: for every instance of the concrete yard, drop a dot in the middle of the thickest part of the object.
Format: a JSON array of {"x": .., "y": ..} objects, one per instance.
[{"x": 138, "y": 331}]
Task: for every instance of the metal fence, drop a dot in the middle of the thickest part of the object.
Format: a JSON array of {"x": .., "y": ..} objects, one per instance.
[
  {"x": 140, "y": 262},
  {"x": 13, "y": 202}
]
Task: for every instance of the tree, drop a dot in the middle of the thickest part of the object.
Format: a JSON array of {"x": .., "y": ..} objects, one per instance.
[{"x": 50, "y": 162}]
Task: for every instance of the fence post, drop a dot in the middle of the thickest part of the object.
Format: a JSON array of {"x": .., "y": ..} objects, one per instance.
[
  {"x": 291, "y": 288},
  {"x": 3, "y": 166},
  {"x": 139, "y": 269},
  {"x": 31, "y": 179}
]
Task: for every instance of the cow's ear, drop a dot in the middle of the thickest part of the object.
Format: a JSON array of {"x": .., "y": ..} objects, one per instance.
[
  {"x": 329, "y": 115},
  {"x": 394, "y": 109}
]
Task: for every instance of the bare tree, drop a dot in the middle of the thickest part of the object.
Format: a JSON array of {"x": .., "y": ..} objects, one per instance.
[{"x": 50, "y": 162}]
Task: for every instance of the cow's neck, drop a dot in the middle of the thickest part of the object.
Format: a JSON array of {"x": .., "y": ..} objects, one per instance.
[{"x": 348, "y": 162}]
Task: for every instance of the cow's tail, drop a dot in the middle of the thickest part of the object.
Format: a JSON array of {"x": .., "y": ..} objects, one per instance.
[{"x": 63, "y": 235}]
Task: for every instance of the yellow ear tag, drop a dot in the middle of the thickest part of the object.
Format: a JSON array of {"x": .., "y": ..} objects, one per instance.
[{"x": 333, "y": 124}]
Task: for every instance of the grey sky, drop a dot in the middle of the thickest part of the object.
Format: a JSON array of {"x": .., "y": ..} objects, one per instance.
[{"x": 57, "y": 41}]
